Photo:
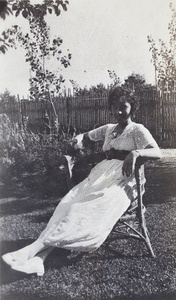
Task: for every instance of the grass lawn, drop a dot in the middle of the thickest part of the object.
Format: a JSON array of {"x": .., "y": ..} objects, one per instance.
[{"x": 126, "y": 274}]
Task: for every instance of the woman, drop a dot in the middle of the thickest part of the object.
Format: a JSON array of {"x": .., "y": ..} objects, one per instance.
[{"x": 86, "y": 215}]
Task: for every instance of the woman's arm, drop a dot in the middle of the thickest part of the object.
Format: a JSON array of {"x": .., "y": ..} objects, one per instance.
[
  {"x": 129, "y": 163},
  {"x": 97, "y": 134},
  {"x": 150, "y": 151}
]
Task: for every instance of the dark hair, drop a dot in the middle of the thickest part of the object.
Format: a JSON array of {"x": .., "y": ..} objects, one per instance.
[{"x": 118, "y": 94}]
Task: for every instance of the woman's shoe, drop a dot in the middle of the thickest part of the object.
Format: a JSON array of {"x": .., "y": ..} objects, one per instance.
[
  {"x": 13, "y": 259},
  {"x": 32, "y": 265}
]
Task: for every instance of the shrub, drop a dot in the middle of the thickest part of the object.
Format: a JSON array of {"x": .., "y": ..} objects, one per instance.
[{"x": 24, "y": 154}]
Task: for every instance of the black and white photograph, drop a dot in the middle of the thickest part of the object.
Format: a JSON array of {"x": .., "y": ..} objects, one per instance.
[{"x": 88, "y": 149}]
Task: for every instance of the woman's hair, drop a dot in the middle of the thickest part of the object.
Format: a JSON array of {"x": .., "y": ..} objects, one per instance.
[{"x": 118, "y": 94}]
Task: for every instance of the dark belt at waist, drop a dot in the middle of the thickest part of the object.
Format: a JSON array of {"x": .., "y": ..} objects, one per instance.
[
  {"x": 116, "y": 154},
  {"x": 110, "y": 154}
]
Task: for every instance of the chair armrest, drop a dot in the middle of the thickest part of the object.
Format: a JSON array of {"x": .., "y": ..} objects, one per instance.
[
  {"x": 139, "y": 174},
  {"x": 143, "y": 159}
]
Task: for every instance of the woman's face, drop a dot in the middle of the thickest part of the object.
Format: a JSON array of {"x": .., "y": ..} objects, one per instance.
[{"x": 121, "y": 111}]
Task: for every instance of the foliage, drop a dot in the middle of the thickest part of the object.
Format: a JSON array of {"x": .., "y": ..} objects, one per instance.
[
  {"x": 164, "y": 57},
  {"x": 97, "y": 90},
  {"x": 3, "y": 46},
  {"x": 25, "y": 8},
  {"x": 28, "y": 11},
  {"x": 135, "y": 83},
  {"x": 115, "y": 79},
  {"x": 5, "y": 10},
  {"x": 28, "y": 154},
  {"x": 94, "y": 91},
  {"x": 6, "y": 97},
  {"x": 39, "y": 48},
  {"x": 22, "y": 151}
]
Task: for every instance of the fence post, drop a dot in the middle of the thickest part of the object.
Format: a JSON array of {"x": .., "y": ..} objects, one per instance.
[
  {"x": 21, "y": 114},
  {"x": 163, "y": 117},
  {"x": 67, "y": 109}
]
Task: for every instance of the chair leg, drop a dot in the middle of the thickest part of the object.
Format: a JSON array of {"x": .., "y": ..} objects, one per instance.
[{"x": 146, "y": 237}]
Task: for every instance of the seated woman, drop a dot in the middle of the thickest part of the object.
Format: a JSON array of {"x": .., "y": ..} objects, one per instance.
[{"x": 85, "y": 216}]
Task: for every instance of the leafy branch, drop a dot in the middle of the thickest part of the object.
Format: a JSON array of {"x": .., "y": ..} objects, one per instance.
[
  {"x": 29, "y": 11},
  {"x": 25, "y": 8}
]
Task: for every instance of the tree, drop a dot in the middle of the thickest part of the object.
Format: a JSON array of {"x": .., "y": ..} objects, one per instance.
[
  {"x": 97, "y": 90},
  {"x": 135, "y": 83},
  {"x": 6, "y": 97},
  {"x": 164, "y": 57},
  {"x": 37, "y": 43},
  {"x": 39, "y": 47},
  {"x": 27, "y": 10},
  {"x": 94, "y": 91}
]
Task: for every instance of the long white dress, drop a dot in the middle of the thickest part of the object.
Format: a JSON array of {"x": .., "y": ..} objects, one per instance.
[{"x": 86, "y": 215}]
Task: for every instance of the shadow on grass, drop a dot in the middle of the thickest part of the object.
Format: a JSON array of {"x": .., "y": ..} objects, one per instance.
[
  {"x": 16, "y": 206},
  {"x": 148, "y": 297},
  {"x": 160, "y": 184},
  {"x": 41, "y": 218},
  {"x": 57, "y": 259},
  {"x": 21, "y": 296}
]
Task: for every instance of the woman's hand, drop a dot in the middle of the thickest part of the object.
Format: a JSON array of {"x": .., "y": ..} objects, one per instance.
[
  {"x": 129, "y": 163},
  {"x": 78, "y": 141}
]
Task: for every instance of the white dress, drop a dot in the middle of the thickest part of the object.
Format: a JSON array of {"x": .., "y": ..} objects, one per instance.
[{"x": 86, "y": 215}]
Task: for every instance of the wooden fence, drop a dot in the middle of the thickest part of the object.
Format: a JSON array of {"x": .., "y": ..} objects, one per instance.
[{"x": 157, "y": 112}]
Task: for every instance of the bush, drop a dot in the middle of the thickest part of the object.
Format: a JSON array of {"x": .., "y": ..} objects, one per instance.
[{"x": 25, "y": 154}]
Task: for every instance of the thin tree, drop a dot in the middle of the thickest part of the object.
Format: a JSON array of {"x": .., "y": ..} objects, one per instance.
[
  {"x": 39, "y": 48},
  {"x": 164, "y": 57}
]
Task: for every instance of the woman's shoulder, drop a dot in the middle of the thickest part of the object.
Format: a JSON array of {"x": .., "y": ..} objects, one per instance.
[
  {"x": 138, "y": 126},
  {"x": 110, "y": 127},
  {"x": 142, "y": 135},
  {"x": 138, "y": 129},
  {"x": 106, "y": 126}
]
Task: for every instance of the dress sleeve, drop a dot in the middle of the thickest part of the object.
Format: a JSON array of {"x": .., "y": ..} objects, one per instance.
[
  {"x": 143, "y": 137},
  {"x": 98, "y": 134}
]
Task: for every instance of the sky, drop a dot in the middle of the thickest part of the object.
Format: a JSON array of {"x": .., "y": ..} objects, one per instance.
[{"x": 101, "y": 35}]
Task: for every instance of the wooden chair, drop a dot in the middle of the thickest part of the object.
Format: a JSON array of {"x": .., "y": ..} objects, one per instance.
[{"x": 133, "y": 224}]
